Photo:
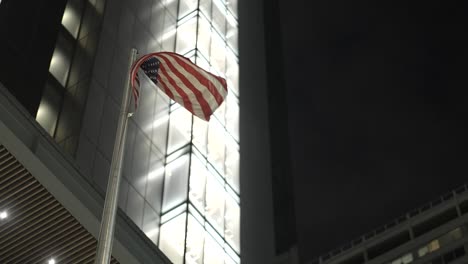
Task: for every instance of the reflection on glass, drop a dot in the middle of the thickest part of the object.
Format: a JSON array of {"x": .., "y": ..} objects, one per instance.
[
  {"x": 172, "y": 239},
  {"x": 47, "y": 112},
  {"x": 180, "y": 126},
  {"x": 60, "y": 62},
  {"x": 71, "y": 17},
  {"x": 187, "y": 6},
  {"x": 175, "y": 184},
  {"x": 186, "y": 36}
]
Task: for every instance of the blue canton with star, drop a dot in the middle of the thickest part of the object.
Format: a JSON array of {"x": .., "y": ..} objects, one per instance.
[{"x": 151, "y": 68}]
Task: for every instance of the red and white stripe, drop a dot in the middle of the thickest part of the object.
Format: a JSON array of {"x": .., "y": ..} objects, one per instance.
[{"x": 199, "y": 91}]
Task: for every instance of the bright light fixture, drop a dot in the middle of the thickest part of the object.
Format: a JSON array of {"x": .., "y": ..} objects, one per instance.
[
  {"x": 3, "y": 215},
  {"x": 52, "y": 261}
]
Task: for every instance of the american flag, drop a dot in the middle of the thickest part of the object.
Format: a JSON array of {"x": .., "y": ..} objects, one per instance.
[{"x": 199, "y": 91}]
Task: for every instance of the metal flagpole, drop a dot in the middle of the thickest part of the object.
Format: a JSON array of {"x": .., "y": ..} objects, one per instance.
[{"x": 106, "y": 233}]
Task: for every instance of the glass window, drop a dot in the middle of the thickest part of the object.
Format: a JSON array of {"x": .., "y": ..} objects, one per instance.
[
  {"x": 155, "y": 179},
  {"x": 169, "y": 29},
  {"x": 232, "y": 224},
  {"x": 232, "y": 33},
  {"x": 213, "y": 253},
  {"x": 200, "y": 133},
  {"x": 172, "y": 238},
  {"x": 219, "y": 17},
  {"x": 232, "y": 164},
  {"x": 216, "y": 145},
  {"x": 202, "y": 62},
  {"x": 232, "y": 116},
  {"x": 408, "y": 258},
  {"x": 232, "y": 72},
  {"x": 195, "y": 241},
  {"x": 218, "y": 54},
  {"x": 186, "y": 7},
  {"x": 232, "y": 5},
  {"x": 49, "y": 106},
  {"x": 205, "y": 7},
  {"x": 198, "y": 176},
  {"x": 204, "y": 36},
  {"x": 60, "y": 62},
  {"x": 434, "y": 245},
  {"x": 175, "y": 184},
  {"x": 214, "y": 210},
  {"x": 151, "y": 224},
  {"x": 186, "y": 36},
  {"x": 423, "y": 251},
  {"x": 180, "y": 126},
  {"x": 72, "y": 16}
]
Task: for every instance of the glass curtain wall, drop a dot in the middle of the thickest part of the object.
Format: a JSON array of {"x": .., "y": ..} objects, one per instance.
[
  {"x": 64, "y": 95},
  {"x": 180, "y": 180},
  {"x": 200, "y": 211}
]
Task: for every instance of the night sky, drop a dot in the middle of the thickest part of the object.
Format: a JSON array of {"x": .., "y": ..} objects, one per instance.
[{"x": 378, "y": 111}]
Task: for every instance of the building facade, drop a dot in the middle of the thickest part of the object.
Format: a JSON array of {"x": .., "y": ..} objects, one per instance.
[
  {"x": 181, "y": 174},
  {"x": 435, "y": 233},
  {"x": 182, "y": 180}
]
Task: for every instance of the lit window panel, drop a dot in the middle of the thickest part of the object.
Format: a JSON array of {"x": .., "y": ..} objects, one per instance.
[
  {"x": 232, "y": 72},
  {"x": 218, "y": 54},
  {"x": 186, "y": 7},
  {"x": 175, "y": 183},
  {"x": 186, "y": 36},
  {"x": 216, "y": 145},
  {"x": 213, "y": 252},
  {"x": 198, "y": 175},
  {"x": 232, "y": 6},
  {"x": 60, "y": 62},
  {"x": 195, "y": 241},
  {"x": 219, "y": 17},
  {"x": 232, "y": 116},
  {"x": 232, "y": 224},
  {"x": 169, "y": 32},
  {"x": 172, "y": 238},
  {"x": 49, "y": 106},
  {"x": 204, "y": 36},
  {"x": 215, "y": 203},
  {"x": 180, "y": 126},
  {"x": 220, "y": 113},
  {"x": 232, "y": 33},
  {"x": 205, "y": 8},
  {"x": 151, "y": 224},
  {"x": 200, "y": 134},
  {"x": 72, "y": 16},
  {"x": 232, "y": 164},
  {"x": 202, "y": 62},
  {"x": 171, "y": 6}
]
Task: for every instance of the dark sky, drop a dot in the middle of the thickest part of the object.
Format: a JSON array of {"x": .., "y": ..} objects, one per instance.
[{"x": 378, "y": 111}]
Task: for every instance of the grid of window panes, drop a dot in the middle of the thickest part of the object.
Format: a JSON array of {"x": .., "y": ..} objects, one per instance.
[
  {"x": 65, "y": 92},
  {"x": 200, "y": 214}
]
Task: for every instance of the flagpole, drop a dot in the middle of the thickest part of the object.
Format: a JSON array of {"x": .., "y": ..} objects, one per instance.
[{"x": 106, "y": 233}]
